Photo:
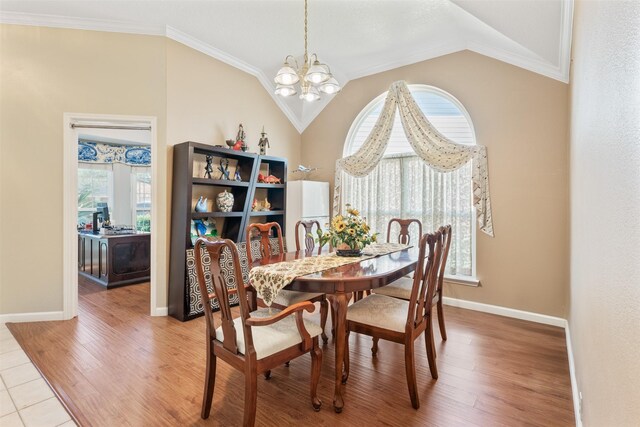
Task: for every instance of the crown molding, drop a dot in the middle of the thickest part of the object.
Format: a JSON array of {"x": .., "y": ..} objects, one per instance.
[
  {"x": 566, "y": 36},
  {"x": 56, "y": 21}
]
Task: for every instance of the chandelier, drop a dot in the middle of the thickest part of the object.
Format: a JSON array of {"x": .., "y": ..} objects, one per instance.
[{"x": 313, "y": 78}]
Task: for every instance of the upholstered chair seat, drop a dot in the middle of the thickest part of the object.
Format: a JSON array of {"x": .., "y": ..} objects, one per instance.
[
  {"x": 271, "y": 339},
  {"x": 287, "y": 298},
  {"x": 380, "y": 311}
]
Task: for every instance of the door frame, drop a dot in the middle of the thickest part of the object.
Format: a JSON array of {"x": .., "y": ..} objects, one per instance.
[{"x": 70, "y": 208}]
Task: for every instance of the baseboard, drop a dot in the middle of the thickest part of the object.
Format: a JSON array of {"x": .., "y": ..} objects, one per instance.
[
  {"x": 161, "y": 311},
  {"x": 572, "y": 372},
  {"x": 31, "y": 317},
  {"x": 532, "y": 317},
  {"x": 504, "y": 311}
]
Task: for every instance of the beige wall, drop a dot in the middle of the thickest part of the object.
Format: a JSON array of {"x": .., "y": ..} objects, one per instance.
[
  {"x": 605, "y": 211},
  {"x": 47, "y": 72},
  {"x": 207, "y": 99},
  {"x": 522, "y": 118}
]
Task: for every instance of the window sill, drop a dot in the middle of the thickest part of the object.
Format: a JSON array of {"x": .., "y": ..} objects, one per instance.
[{"x": 462, "y": 280}]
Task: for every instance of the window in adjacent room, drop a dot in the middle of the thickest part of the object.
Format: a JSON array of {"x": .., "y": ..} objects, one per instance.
[
  {"x": 142, "y": 202},
  {"x": 403, "y": 186},
  {"x": 95, "y": 184}
]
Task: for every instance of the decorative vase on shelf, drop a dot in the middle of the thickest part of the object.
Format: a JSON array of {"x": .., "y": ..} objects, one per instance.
[
  {"x": 201, "y": 205},
  {"x": 224, "y": 201}
]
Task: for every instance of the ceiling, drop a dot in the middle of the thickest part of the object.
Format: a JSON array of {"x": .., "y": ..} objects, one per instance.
[{"x": 356, "y": 37}]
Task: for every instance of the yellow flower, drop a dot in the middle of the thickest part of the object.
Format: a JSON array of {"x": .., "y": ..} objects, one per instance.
[
  {"x": 351, "y": 231},
  {"x": 365, "y": 227},
  {"x": 354, "y": 212},
  {"x": 374, "y": 238},
  {"x": 340, "y": 226}
]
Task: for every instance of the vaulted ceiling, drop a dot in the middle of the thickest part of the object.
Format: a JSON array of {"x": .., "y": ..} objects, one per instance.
[{"x": 355, "y": 37}]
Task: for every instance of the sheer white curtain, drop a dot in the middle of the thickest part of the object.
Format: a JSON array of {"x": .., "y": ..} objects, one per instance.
[{"x": 403, "y": 186}]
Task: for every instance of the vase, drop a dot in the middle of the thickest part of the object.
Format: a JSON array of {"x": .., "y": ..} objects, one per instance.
[
  {"x": 224, "y": 201},
  {"x": 349, "y": 252},
  {"x": 201, "y": 205}
]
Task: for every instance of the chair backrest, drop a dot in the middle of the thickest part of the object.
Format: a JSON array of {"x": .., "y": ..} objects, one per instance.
[
  {"x": 403, "y": 235},
  {"x": 446, "y": 237},
  {"x": 265, "y": 245},
  {"x": 309, "y": 242},
  {"x": 425, "y": 279},
  {"x": 222, "y": 254}
]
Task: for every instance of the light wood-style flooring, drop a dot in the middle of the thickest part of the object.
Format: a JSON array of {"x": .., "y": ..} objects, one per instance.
[{"x": 114, "y": 365}]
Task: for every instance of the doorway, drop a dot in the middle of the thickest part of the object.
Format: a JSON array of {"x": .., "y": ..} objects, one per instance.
[{"x": 135, "y": 186}]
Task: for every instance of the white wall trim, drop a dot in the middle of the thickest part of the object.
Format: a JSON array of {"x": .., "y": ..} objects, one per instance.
[
  {"x": 56, "y": 21},
  {"x": 161, "y": 311},
  {"x": 43, "y": 316},
  {"x": 70, "y": 209},
  {"x": 572, "y": 372},
  {"x": 505, "y": 311}
]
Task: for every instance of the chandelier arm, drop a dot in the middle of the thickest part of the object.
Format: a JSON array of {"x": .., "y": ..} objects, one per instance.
[{"x": 294, "y": 60}]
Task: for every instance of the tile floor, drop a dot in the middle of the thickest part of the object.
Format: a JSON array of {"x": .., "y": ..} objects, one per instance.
[{"x": 25, "y": 397}]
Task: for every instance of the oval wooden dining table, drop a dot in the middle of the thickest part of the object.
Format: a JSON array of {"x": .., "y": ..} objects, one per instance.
[{"x": 340, "y": 283}]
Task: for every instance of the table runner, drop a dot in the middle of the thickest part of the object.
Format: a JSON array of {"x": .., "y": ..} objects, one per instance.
[{"x": 269, "y": 279}]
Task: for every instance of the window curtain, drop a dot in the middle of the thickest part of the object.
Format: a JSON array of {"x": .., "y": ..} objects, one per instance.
[
  {"x": 435, "y": 198},
  {"x": 434, "y": 149},
  {"x": 95, "y": 152}
]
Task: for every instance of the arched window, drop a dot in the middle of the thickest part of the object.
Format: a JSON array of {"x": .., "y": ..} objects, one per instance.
[{"x": 403, "y": 186}]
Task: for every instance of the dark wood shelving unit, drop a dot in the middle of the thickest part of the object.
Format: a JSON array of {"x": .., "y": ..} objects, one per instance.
[{"x": 189, "y": 184}]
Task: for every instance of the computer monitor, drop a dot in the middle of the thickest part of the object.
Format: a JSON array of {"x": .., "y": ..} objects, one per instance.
[{"x": 103, "y": 209}]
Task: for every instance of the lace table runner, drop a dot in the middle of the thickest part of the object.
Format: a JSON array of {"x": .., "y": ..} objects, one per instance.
[{"x": 269, "y": 279}]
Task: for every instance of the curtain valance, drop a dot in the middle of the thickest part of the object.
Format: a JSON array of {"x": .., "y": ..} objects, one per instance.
[
  {"x": 433, "y": 148},
  {"x": 95, "y": 152}
]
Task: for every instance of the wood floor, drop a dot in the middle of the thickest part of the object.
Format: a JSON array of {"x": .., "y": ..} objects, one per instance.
[{"x": 116, "y": 366}]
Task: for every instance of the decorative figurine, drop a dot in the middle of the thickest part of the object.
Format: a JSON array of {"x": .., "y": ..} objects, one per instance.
[
  {"x": 240, "y": 144},
  {"x": 224, "y": 201},
  {"x": 237, "y": 176},
  {"x": 266, "y": 206},
  {"x": 305, "y": 171},
  {"x": 201, "y": 205},
  {"x": 255, "y": 206},
  {"x": 208, "y": 169},
  {"x": 230, "y": 143},
  {"x": 224, "y": 169},
  {"x": 271, "y": 179},
  {"x": 263, "y": 143}
]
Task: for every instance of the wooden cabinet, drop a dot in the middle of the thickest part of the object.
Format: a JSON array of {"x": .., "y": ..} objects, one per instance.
[
  {"x": 189, "y": 183},
  {"x": 114, "y": 260}
]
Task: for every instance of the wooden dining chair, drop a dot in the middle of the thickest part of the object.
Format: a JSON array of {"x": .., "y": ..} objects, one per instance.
[
  {"x": 255, "y": 342},
  {"x": 401, "y": 288},
  {"x": 285, "y": 298},
  {"x": 401, "y": 321},
  {"x": 309, "y": 242},
  {"x": 403, "y": 237}
]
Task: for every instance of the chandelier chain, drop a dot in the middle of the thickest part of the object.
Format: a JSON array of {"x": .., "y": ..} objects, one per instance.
[{"x": 306, "y": 58}]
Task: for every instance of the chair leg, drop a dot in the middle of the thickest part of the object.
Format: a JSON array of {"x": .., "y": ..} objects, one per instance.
[
  {"x": 443, "y": 330},
  {"x": 209, "y": 384},
  {"x": 410, "y": 367},
  {"x": 374, "y": 348},
  {"x": 250, "y": 397},
  {"x": 431, "y": 350},
  {"x": 345, "y": 366},
  {"x": 267, "y": 375},
  {"x": 316, "y": 364},
  {"x": 286, "y": 364},
  {"x": 333, "y": 321},
  {"x": 324, "y": 308}
]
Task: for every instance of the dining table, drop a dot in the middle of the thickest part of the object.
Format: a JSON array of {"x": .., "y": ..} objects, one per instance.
[{"x": 340, "y": 283}]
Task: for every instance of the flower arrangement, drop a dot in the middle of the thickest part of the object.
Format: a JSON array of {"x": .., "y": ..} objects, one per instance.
[{"x": 348, "y": 232}]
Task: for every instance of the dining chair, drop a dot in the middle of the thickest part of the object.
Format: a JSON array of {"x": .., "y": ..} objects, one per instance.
[
  {"x": 401, "y": 288},
  {"x": 309, "y": 242},
  {"x": 256, "y": 341},
  {"x": 400, "y": 321},
  {"x": 285, "y": 298},
  {"x": 403, "y": 237}
]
